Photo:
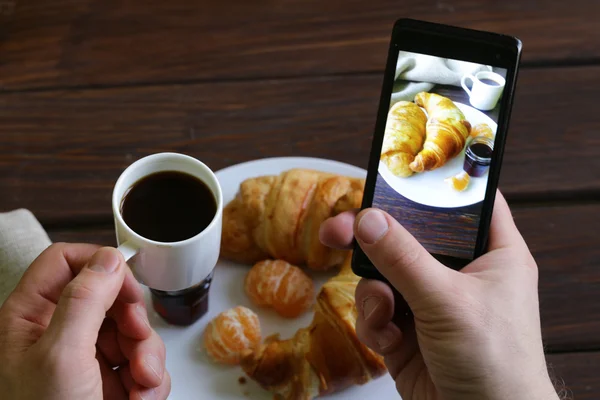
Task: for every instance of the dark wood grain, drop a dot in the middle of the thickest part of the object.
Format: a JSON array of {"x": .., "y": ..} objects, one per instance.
[
  {"x": 62, "y": 151},
  {"x": 576, "y": 375},
  {"x": 566, "y": 246},
  {"x": 64, "y": 43},
  {"x": 447, "y": 231}
]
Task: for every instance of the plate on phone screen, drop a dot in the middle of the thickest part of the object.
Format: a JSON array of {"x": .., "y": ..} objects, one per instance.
[
  {"x": 428, "y": 188},
  {"x": 194, "y": 375}
]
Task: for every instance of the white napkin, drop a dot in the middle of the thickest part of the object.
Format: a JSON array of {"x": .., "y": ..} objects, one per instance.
[
  {"x": 420, "y": 73},
  {"x": 22, "y": 239}
]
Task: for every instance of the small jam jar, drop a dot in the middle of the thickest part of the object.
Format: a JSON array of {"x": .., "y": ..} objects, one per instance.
[
  {"x": 478, "y": 156},
  {"x": 183, "y": 307}
]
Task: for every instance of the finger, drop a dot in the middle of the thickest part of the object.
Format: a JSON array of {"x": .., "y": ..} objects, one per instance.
[
  {"x": 54, "y": 268},
  {"x": 112, "y": 388},
  {"x": 503, "y": 231},
  {"x": 108, "y": 343},
  {"x": 132, "y": 291},
  {"x": 126, "y": 378},
  {"x": 399, "y": 257},
  {"x": 375, "y": 303},
  {"x": 131, "y": 319},
  {"x": 410, "y": 375},
  {"x": 336, "y": 232},
  {"x": 396, "y": 360},
  {"x": 86, "y": 299},
  {"x": 385, "y": 340},
  {"x": 158, "y": 393},
  {"x": 38, "y": 291},
  {"x": 146, "y": 359}
]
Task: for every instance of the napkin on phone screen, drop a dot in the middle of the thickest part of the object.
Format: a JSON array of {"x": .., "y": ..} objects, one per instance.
[
  {"x": 22, "y": 239},
  {"x": 420, "y": 73}
]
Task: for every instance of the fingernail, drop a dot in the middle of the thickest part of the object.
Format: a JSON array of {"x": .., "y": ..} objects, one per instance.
[
  {"x": 386, "y": 338},
  {"x": 143, "y": 315},
  {"x": 148, "y": 394},
  {"x": 105, "y": 261},
  {"x": 153, "y": 363},
  {"x": 372, "y": 226},
  {"x": 369, "y": 305}
]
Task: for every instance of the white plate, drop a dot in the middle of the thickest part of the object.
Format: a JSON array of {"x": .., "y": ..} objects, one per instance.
[
  {"x": 194, "y": 376},
  {"x": 429, "y": 188}
]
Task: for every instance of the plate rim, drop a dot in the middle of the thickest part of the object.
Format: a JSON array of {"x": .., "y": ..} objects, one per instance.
[{"x": 291, "y": 158}]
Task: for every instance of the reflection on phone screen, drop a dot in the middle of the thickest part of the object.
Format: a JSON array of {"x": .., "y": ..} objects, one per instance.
[{"x": 437, "y": 148}]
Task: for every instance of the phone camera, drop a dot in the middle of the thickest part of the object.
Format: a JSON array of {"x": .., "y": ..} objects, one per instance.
[{"x": 498, "y": 56}]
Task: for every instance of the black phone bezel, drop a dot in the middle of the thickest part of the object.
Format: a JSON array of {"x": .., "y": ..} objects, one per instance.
[{"x": 456, "y": 43}]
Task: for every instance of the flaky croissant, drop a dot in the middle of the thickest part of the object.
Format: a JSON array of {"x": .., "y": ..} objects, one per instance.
[
  {"x": 322, "y": 358},
  {"x": 403, "y": 137},
  {"x": 279, "y": 217},
  {"x": 482, "y": 129},
  {"x": 447, "y": 131}
]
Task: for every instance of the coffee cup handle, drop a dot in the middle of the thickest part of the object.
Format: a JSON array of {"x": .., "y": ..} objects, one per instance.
[
  {"x": 128, "y": 250},
  {"x": 463, "y": 83}
]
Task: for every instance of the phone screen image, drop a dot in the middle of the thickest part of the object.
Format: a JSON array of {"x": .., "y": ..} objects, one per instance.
[{"x": 437, "y": 148}]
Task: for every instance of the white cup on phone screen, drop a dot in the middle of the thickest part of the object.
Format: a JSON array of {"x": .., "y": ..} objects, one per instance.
[
  {"x": 168, "y": 266},
  {"x": 486, "y": 89}
]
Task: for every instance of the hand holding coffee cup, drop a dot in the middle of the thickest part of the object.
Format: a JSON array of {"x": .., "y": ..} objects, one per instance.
[
  {"x": 486, "y": 89},
  {"x": 168, "y": 216}
]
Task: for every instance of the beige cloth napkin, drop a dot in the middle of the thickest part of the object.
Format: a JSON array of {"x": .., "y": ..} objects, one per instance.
[
  {"x": 22, "y": 239},
  {"x": 420, "y": 73}
]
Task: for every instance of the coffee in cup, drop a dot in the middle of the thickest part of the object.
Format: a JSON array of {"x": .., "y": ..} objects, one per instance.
[
  {"x": 486, "y": 89},
  {"x": 168, "y": 216}
]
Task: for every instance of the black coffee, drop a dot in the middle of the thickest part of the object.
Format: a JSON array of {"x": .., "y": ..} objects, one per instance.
[
  {"x": 168, "y": 206},
  {"x": 489, "y": 82}
]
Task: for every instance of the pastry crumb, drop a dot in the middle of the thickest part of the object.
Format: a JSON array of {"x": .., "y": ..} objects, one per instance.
[{"x": 242, "y": 380}]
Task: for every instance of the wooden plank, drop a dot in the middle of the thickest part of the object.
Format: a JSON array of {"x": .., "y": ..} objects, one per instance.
[
  {"x": 64, "y": 43},
  {"x": 62, "y": 151},
  {"x": 564, "y": 242},
  {"x": 431, "y": 225},
  {"x": 576, "y": 375}
]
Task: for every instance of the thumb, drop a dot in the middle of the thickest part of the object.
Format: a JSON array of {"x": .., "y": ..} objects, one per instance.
[
  {"x": 399, "y": 257},
  {"x": 86, "y": 299}
]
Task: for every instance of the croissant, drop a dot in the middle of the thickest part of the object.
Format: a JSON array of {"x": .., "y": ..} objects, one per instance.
[
  {"x": 447, "y": 131},
  {"x": 482, "y": 129},
  {"x": 403, "y": 137},
  {"x": 279, "y": 217},
  {"x": 322, "y": 358}
]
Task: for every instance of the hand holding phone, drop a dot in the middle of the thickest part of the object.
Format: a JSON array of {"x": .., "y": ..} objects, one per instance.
[
  {"x": 475, "y": 333},
  {"x": 432, "y": 180},
  {"x": 439, "y": 137}
]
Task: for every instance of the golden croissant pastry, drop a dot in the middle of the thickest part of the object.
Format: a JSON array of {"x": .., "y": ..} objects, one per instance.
[
  {"x": 279, "y": 217},
  {"x": 322, "y": 358},
  {"x": 403, "y": 137},
  {"x": 482, "y": 129},
  {"x": 447, "y": 131}
]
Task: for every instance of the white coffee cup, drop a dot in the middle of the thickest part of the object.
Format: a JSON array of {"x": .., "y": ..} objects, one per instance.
[
  {"x": 168, "y": 266},
  {"x": 486, "y": 89}
]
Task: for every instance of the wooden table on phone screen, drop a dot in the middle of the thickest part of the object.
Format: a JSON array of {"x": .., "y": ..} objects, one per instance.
[{"x": 88, "y": 87}]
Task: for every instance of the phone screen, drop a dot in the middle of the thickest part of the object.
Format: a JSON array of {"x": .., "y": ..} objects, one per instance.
[{"x": 437, "y": 147}]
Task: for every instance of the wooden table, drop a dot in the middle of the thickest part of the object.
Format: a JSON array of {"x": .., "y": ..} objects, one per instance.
[{"x": 87, "y": 87}]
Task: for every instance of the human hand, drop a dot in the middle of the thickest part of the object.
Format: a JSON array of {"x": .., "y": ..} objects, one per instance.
[
  {"x": 475, "y": 334},
  {"x": 55, "y": 342}
]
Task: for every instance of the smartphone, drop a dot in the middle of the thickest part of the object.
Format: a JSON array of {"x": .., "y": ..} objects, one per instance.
[{"x": 439, "y": 137}]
